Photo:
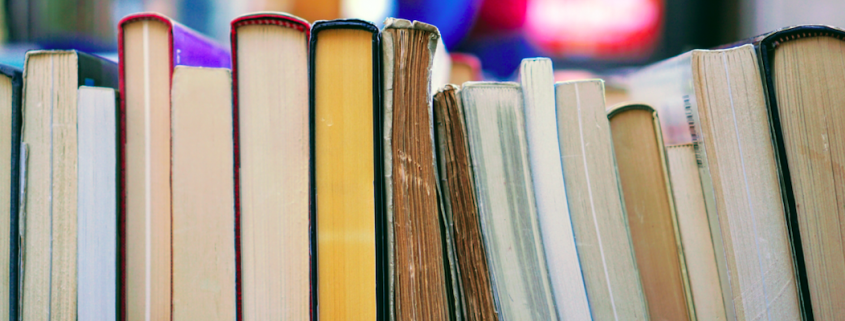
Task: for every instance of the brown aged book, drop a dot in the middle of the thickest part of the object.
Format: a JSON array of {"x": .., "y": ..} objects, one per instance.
[
  {"x": 460, "y": 205},
  {"x": 417, "y": 267}
]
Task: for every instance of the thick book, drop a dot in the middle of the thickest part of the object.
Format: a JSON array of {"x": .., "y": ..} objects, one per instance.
[
  {"x": 270, "y": 91},
  {"x": 596, "y": 207},
  {"x": 802, "y": 69},
  {"x": 53, "y": 185},
  {"x": 11, "y": 82},
  {"x": 506, "y": 201},
  {"x": 538, "y": 89},
  {"x": 420, "y": 254},
  {"x": 203, "y": 195},
  {"x": 348, "y": 262},
  {"x": 714, "y": 99},
  {"x": 150, "y": 45},
  {"x": 652, "y": 220},
  {"x": 460, "y": 206}
]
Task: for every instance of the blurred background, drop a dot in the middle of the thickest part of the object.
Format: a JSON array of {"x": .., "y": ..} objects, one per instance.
[{"x": 579, "y": 35}]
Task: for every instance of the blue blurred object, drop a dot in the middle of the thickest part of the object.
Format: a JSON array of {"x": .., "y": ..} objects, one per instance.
[
  {"x": 501, "y": 54},
  {"x": 454, "y": 18}
]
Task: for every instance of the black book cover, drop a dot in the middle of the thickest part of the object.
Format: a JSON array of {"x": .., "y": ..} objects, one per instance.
[
  {"x": 380, "y": 238},
  {"x": 97, "y": 71},
  {"x": 14, "y": 250}
]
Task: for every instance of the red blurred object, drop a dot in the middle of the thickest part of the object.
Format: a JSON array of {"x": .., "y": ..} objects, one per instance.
[
  {"x": 501, "y": 15},
  {"x": 471, "y": 61},
  {"x": 604, "y": 29}
]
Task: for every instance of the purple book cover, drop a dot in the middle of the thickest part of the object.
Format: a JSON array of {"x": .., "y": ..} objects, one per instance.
[{"x": 187, "y": 48}]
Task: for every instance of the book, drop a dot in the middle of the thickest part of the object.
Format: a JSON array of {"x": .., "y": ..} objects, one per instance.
[
  {"x": 418, "y": 267},
  {"x": 460, "y": 206},
  {"x": 650, "y": 207},
  {"x": 699, "y": 253},
  {"x": 49, "y": 210},
  {"x": 97, "y": 170},
  {"x": 465, "y": 67},
  {"x": 715, "y": 100},
  {"x": 347, "y": 213},
  {"x": 150, "y": 45},
  {"x": 802, "y": 67},
  {"x": 599, "y": 220},
  {"x": 203, "y": 194},
  {"x": 11, "y": 82},
  {"x": 270, "y": 86},
  {"x": 538, "y": 86},
  {"x": 499, "y": 153}
]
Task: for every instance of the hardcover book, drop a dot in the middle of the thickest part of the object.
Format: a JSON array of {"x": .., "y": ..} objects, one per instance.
[
  {"x": 270, "y": 90},
  {"x": 348, "y": 278},
  {"x": 803, "y": 67},
  {"x": 150, "y": 45}
]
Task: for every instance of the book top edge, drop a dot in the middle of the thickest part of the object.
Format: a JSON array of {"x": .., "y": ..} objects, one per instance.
[
  {"x": 395, "y": 23},
  {"x": 448, "y": 87},
  {"x": 272, "y": 18},
  {"x": 343, "y": 24}
]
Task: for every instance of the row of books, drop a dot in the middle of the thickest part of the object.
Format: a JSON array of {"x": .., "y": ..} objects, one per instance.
[{"x": 330, "y": 175}]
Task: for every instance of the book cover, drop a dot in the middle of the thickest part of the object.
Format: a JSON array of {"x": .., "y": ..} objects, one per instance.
[{"x": 187, "y": 48}]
